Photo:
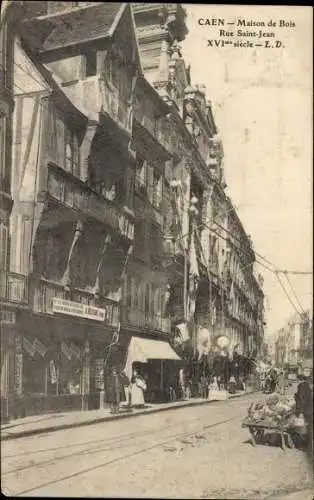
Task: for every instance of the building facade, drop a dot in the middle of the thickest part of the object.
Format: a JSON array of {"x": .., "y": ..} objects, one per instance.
[
  {"x": 120, "y": 227},
  {"x": 294, "y": 342},
  {"x": 13, "y": 286},
  {"x": 212, "y": 287},
  {"x": 72, "y": 223}
]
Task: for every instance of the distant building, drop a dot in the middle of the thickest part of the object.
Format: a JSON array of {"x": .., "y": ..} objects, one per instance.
[{"x": 294, "y": 342}]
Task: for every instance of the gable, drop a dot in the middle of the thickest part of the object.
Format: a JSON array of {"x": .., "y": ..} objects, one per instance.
[
  {"x": 124, "y": 36},
  {"x": 72, "y": 27}
]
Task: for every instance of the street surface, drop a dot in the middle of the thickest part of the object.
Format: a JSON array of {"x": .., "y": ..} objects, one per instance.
[{"x": 194, "y": 452}]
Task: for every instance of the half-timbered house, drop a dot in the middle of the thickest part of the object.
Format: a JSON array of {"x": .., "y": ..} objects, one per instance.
[{"x": 73, "y": 221}]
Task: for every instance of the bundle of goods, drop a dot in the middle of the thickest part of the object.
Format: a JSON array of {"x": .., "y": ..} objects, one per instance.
[{"x": 274, "y": 411}]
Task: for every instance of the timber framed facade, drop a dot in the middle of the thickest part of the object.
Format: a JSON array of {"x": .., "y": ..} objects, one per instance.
[{"x": 119, "y": 220}]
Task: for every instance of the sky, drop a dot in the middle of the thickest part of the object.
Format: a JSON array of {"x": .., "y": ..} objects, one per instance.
[{"x": 262, "y": 102}]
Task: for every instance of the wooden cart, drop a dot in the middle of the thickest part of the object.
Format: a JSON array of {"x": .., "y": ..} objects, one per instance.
[{"x": 257, "y": 430}]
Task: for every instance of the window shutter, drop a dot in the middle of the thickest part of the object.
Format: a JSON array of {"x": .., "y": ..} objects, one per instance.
[
  {"x": 60, "y": 131},
  {"x": 3, "y": 245},
  {"x": 76, "y": 157},
  {"x": 68, "y": 150}
]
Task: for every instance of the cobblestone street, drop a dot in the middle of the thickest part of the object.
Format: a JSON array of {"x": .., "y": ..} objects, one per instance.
[{"x": 194, "y": 452}]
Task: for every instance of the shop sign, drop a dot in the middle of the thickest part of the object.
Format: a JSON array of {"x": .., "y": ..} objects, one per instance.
[{"x": 62, "y": 306}]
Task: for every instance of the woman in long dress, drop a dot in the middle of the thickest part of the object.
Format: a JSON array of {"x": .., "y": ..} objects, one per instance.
[{"x": 137, "y": 390}]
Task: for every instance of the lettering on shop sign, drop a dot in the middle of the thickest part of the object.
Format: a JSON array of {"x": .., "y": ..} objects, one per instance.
[{"x": 63, "y": 306}]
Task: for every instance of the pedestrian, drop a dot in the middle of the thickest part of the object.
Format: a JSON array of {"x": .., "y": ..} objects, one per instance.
[
  {"x": 113, "y": 390},
  {"x": 137, "y": 390},
  {"x": 281, "y": 383},
  {"x": 188, "y": 389},
  {"x": 304, "y": 406},
  {"x": 204, "y": 386},
  {"x": 182, "y": 382},
  {"x": 232, "y": 386}
]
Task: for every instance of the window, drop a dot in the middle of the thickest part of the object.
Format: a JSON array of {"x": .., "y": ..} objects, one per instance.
[
  {"x": 140, "y": 239},
  {"x": 141, "y": 172},
  {"x": 34, "y": 372},
  {"x": 147, "y": 303},
  {"x": 3, "y": 245},
  {"x": 71, "y": 153},
  {"x": 91, "y": 63},
  {"x": 2, "y": 148},
  {"x": 3, "y": 56},
  {"x": 55, "y": 255},
  {"x": 120, "y": 190},
  {"x": 70, "y": 370},
  {"x": 114, "y": 75},
  {"x": 129, "y": 197},
  {"x": 157, "y": 189}
]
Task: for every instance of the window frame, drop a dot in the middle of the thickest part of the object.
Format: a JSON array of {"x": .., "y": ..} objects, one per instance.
[
  {"x": 3, "y": 133},
  {"x": 71, "y": 140},
  {"x": 4, "y": 239}
]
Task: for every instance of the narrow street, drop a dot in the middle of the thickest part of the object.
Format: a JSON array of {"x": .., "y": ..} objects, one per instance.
[{"x": 195, "y": 452}]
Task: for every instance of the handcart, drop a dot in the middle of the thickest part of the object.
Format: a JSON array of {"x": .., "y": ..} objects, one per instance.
[{"x": 284, "y": 428}]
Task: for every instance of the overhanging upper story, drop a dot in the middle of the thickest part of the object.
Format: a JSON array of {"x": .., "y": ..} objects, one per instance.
[{"x": 93, "y": 53}]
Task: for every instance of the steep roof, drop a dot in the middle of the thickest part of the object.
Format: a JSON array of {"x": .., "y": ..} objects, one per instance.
[{"x": 75, "y": 26}]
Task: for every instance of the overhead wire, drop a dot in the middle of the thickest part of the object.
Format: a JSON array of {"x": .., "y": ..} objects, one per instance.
[
  {"x": 287, "y": 294},
  {"x": 150, "y": 185},
  {"x": 294, "y": 293},
  {"x": 301, "y": 272}
]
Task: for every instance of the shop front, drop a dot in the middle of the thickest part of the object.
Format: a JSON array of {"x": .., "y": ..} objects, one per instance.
[
  {"x": 11, "y": 352},
  {"x": 157, "y": 363},
  {"x": 55, "y": 365}
]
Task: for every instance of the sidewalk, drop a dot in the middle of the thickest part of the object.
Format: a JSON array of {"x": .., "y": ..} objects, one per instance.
[
  {"x": 39, "y": 424},
  {"x": 297, "y": 495}
]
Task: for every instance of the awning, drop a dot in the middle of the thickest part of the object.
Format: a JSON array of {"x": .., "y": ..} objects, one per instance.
[{"x": 141, "y": 350}]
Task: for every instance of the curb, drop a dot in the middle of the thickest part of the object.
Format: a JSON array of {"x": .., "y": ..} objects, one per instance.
[
  {"x": 307, "y": 494},
  {"x": 110, "y": 418}
]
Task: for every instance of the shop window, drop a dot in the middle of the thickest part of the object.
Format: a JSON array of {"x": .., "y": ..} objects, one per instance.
[
  {"x": 70, "y": 370},
  {"x": 37, "y": 378}
]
